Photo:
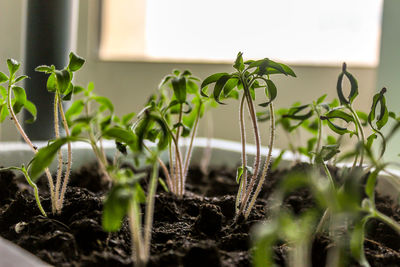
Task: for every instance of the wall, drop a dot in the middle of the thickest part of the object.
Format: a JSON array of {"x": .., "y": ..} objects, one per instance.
[
  {"x": 128, "y": 84},
  {"x": 388, "y": 71}
]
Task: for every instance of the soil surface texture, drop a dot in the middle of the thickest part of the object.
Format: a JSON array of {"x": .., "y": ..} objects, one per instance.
[{"x": 197, "y": 230}]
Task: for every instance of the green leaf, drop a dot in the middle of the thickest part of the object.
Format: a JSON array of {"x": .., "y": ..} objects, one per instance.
[
  {"x": 3, "y": 92},
  {"x": 45, "y": 156},
  {"x": 185, "y": 130},
  {"x": 164, "y": 137},
  {"x": 370, "y": 140},
  {"x": 353, "y": 87},
  {"x": 328, "y": 151},
  {"x": 116, "y": 206},
  {"x": 371, "y": 183},
  {"x": 192, "y": 87},
  {"x": 78, "y": 127},
  {"x": 63, "y": 80},
  {"x": 186, "y": 73},
  {"x": 219, "y": 86},
  {"x": 3, "y": 77},
  {"x": 21, "y": 78},
  {"x": 229, "y": 86},
  {"x": 75, "y": 62},
  {"x": 239, "y": 172},
  {"x": 233, "y": 94},
  {"x": 270, "y": 92},
  {"x": 163, "y": 184},
  {"x": 293, "y": 113},
  {"x": 262, "y": 69},
  {"x": 189, "y": 119},
  {"x": 78, "y": 89},
  {"x": 179, "y": 87},
  {"x": 105, "y": 102},
  {"x": 31, "y": 108},
  {"x": 267, "y": 66},
  {"x": 3, "y": 112},
  {"x": 90, "y": 87},
  {"x": 127, "y": 118},
  {"x": 280, "y": 68},
  {"x": 331, "y": 140},
  {"x": 339, "y": 114},
  {"x": 165, "y": 80},
  {"x": 52, "y": 83},
  {"x": 120, "y": 135},
  {"x": 105, "y": 122},
  {"x": 45, "y": 69},
  {"x": 209, "y": 80},
  {"x": 383, "y": 116},
  {"x": 239, "y": 62},
  {"x": 74, "y": 110},
  {"x": 19, "y": 98},
  {"x": 321, "y": 99},
  {"x": 139, "y": 194},
  {"x": 334, "y": 127},
  {"x": 13, "y": 66},
  {"x": 287, "y": 69}
]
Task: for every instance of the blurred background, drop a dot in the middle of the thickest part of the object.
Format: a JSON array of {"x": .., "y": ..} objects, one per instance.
[{"x": 130, "y": 45}]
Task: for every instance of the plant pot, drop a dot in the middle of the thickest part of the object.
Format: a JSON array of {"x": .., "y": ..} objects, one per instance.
[{"x": 224, "y": 153}]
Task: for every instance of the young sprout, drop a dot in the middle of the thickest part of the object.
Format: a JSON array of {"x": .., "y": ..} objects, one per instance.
[
  {"x": 60, "y": 83},
  {"x": 179, "y": 107},
  {"x": 249, "y": 76},
  {"x": 13, "y": 100},
  {"x": 351, "y": 117}
]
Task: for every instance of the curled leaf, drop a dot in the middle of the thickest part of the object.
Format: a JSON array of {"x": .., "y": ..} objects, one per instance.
[{"x": 353, "y": 86}]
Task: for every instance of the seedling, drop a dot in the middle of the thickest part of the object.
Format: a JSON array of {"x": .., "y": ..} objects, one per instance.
[
  {"x": 349, "y": 117},
  {"x": 178, "y": 114},
  {"x": 13, "y": 100},
  {"x": 60, "y": 83},
  {"x": 249, "y": 76}
]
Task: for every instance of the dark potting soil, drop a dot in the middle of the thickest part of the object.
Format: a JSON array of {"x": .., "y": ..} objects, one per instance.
[{"x": 197, "y": 230}]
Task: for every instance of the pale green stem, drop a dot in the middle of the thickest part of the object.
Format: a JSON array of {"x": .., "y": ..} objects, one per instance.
[
  {"x": 243, "y": 180},
  {"x": 99, "y": 156},
  {"x": 69, "y": 159},
  {"x": 174, "y": 188},
  {"x": 190, "y": 149},
  {"x": 361, "y": 130},
  {"x": 178, "y": 161},
  {"x": 319, "y": 137},
  {"x": 164, "y": 169},
  {"x": 326, "y": 214},
  {"x": 175, "y": 141},
  {"x": 136, "y": 234},
  {"x": 266, "y": 164},
  {"x": 150, "y": 211},
  {"x": 258, "y": 152},
  {"x": 59, "y": 153}
]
